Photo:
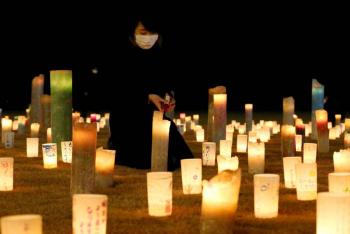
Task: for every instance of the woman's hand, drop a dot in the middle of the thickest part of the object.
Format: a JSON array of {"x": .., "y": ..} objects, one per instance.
[{"x": 156, "y": 100}]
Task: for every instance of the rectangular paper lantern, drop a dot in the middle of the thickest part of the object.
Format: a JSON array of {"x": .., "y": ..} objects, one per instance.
[
  {"x": 104, "y": 166},
  {"x": 32, "y": 147},
  {"x": 289, "y": 171},
  {"x": 225, "y": 163},
  {"x": 249, "y": 117},
  {"x": 337, "y": 119},
  {"x": 298, "y": 143},
  {"x": 34, "y": 129},
  {"x": 6, "y": 174},
  {"x": 288, "y": 140},
  {"x": 208, "y": 153},
  {"x": 225, "y": 148},
  {"x": 341, "y": 161},
  {"x": 306, "y": 181},
  {"x": 242, "y": 143},
  {"x": 49, "y": 135},
  {"x": 191, "y": 173},
  {"x": 256, "y": 158},
  {"x": 220, "y": 117},
  {"x": 339, "y": 182},
  {"x": 310, "y": 152},
  {"x": 66, "y": 150},
  {"x": 50, "y": 155},
  {"x": 200, "y": 135},
  {"x": 22, "y": 224}
]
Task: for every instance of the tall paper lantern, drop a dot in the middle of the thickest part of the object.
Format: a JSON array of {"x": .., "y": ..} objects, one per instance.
[
  {"x": 210, "y": 125},
  {"x": 66, "y": 150},
  {"x": 322, "y": 131},
  {"x": 45, "y": 123},
  {"x": 84, "y": 155},
  {"x": 266, "y": 188},
  {"x": 37, "y": 91},
  {"x": 288, "y": 140},
  {"x": 333, "y": 213},
  {"x": 90, "y": 213},
  {"x": 306, "y": 174},
  {"x": 50, "y": 155},
  {"x": 104, "y": 167},
  {"x": 339, "y": 182},
  {"x": 256, "y": 158},
  {"x": 160, "y": 193},
  {"x": 219, "y": 202},
  {"x": 22, "y": 224},
  {"x": 242, "y": 143},
  {"x": 249, "y": 117},
  {"x": 289, "y": 171},
  {"x": 160, "y": 141},
  {"x": 225, "y": 148},
  {"x": 220, "y": 117},
  {"x": 6, "y": 174},
  {"x": 310, "y": 152},
  {"x": 317, "y": 104},
  {"x": 191, "y": 173},
  {"x": 208, "y": 153},
  {"x": 225, "y": 163},
  {"x": 288, "y": 111},
  {"x": 61, "y": 106},
  {"x": 32, "y": 147},
  {"x": 34, "y": 130}
]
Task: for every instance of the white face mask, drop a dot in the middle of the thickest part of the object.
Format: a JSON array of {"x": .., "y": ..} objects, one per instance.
[{"x": 146, "y": 41}]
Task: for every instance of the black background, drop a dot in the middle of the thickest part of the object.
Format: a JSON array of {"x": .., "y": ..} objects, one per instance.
[{"x": 260, "y": 52}]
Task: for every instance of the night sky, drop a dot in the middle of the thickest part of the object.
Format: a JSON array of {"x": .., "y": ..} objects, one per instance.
[{"x": 260, "y": 54}]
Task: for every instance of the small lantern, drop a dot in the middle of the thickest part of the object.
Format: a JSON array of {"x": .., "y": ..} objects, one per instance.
[
  {"x": 50, "y": 155},
  {"x": 306, "y": 181},
  {"x": 34, "y": 129},
  {"x": 32, "y": 147},
  {"x": 104, "y": 167},
  {"x": 225, "y": 163},
  {"x": 208, "y": 153},
  {"x": 310, "y": 152},
  {"x": 289, "y": 171},
  {"x": 6, "y": 174},
  {"x": 191, "y": 172},
  {"x": 339, "y": 182},
  {"x": 200, "y": 135},
  {"x": 346, "y": 140},
  {"x": 256, "y": 158},
  {"x": 298, "y": 143},
  {"x": 22, "y": 224},
  {"x": 225, "y": 148},
  {"x": 196, "y": 119},
  {"x": 322, "y": 131},
  {"x": 242, "y": 143},
  {"x": 341, "y": 161}
]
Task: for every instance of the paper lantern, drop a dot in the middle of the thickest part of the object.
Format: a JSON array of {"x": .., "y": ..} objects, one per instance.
[
  {"x": 225, "y": 148},
  {"x": 337, "y": 119},
  {"x": 333, "y": 134},
  {"x": 196, "y": 119},
  {"x": 341, "y": 161},
  {"x": 249, "y": 117},
  {"x": 242, "y": 129},
  {"x": 9, "y": 139},
  {"x": 242, "y": 143},
  {"x": 256, "y": 158},
  {"x": 252, "y": 136},
  {"x": 75, "y": 117},
  {"x": 66, "y": 150},
  {"x": 200, "y": 135},
  {"x": 219, "y": 202},
  {"x": 90, "y": 213},
  {"x": 288, "y": 140},
  {"x": 84, "y": 156},
  {"x": 159, "y": 193},
  {"x": 21, "y": 224},
  {"x": 339, "y": 182},
  {"x": 288, "y": 111},
  {"x": 306, "y": 174},
  {"x": 208, "y": 153},
  {"x": 264, "y": 134},
  {"x": 229, "y": 134},
  {"x": 105, "y": 160},
  {"x": 225, "y": 163},
  {"x": 6, "y": 126},
  {"x": 307, "y": 130},
  {"x": 220, "y": 117},
  {"x": 49, "y": 135},
  {"x": 34, "y": 129},
  {"x": 289, "y": 171},
  {"x": 298, "y": 143},
  {"x": 93, "y": 118},
  {"x": 6, "y": 174},
  {"x": 317, "y": 104},
  {"x": 266, "y": 188},
  {"x": 322, "y": 131},
  {"x": 50, "y": 155},
  {"x": 191, "y": 173},
  {"x": 310, "y": 152},
  {"x": 333, "y": 213},
  {"x": 160, "y": 140},
  {"x": 346, "y": 140},
  {"x": 32, "y": 147}
]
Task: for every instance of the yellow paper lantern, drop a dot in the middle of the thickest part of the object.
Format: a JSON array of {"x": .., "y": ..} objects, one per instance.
[
  {"x": 6, "y": 174},
  {"x": 32, "y": 147},
  {"x": 21, "y": 224},
  {"x": 160, "y": 193},
  {"x": 6, "y": 126},
  {"x": 289, "y": 171},
  {"x": 104, "y": 166},
  {"x": 208, "y": 153},
  {"x": 306, "y": 174},
  {"x": 200, "y": 135},
  {"x": 50, "y": 155},
  {"x": 339, "y": 182},
  {"x": 191, "y": 173}
]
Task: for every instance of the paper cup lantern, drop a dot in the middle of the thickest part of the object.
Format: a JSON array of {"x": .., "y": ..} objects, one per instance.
[
  {"x": 289, "y": 171},
  {"x": 159, "y": 193},
  {"x": 191, "y": 172},
  {"x": 21, "y": 224},
  {"x": 266, "y": 187},
  {"x": 339, "y": 182},
  {"x": 242, "y": 143},
  {"x": 6, "y": 174},
  {"x": 306, "y": 181},
  {"x": 66, "y": 150},
  {"x": 200, "y": 135},
  {"x": 104, "y": 167},
  {"x": 50, "y": 155},
  {"x": 225, "y": 148},
  {"x": 90, "y": 213},
  {"x": 225, "y": 163},
  {"x": 208, "y": 153},
  {"x": 34, "y": 129},
  {"x": 298, "y": 143},
  {"x": 256, "y": 158},
  {"x": 310, "y": 152},
  {"x": 32, "y": 147},
  {"x": 333, "y": 213}
]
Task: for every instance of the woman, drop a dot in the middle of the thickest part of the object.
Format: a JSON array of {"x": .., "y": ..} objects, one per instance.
[{"x": 131, "y": 121}]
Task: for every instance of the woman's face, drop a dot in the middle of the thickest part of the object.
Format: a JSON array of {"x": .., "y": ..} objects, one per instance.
[{"x": 144, "y": 38}]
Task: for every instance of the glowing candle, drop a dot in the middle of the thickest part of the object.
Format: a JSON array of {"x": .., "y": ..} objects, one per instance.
[
  {"x": 6, "y": 174},
  {"x": 288, "y": 140},
  {"x": 32, "y": 147},
  {"x": 256, "y": 158},
  {"x": 317, "y": 104},
  {"x": 322, "y": 131},
  {"x": 288, "y": 111},
  {"x": 22, "y": 224},
  {"x": 104, "y": 166},
  {"x": 289, "y": 171},
  {"x": 208, "y": 153},
  {"x": 50, "y": 155},
  {"x": 191, "y": 173},
  {"x": 249, "y": 117},
  {"x": 220, "y": 115},
  {"x": 225, "y": 163},
  {"x": 339, "y": 182},
  {"x": 306, "y": 174}
]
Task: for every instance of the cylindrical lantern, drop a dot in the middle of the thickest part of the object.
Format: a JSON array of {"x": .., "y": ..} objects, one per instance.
[
  {"x": 288, "y": 140},
  {"x": 160, "y": 193},
  {"x": 333, "y": 213},
  {"x": 49, "y": 135},
  {"x": 84, "y": 155},
  {"x": 242, "y": 143},
  {"x": 337, "y": 119},
  {"x": 37, "y": 91},
  {"x": 220, "y": 117},
  {"x": 6, "y": 126},
  {"x": 66, "y": 150},
  {"x": 317, "y": 104},
  {"x": 266, "y": 188},
  {"x": 339, "y": 182},
  {"x": 306, "y": 181},
  {"x": 6, "y": 174},
  {"x": 50, "y": 155},
  {"x": 249, "y": 117},
  {"x": 346, "y": 140},
  {"x": 298, "y": 143},
  {"x": 310, "y": 152},
  {"x": 191, "y": 172},
  {"x": 200, "y": 135},
  {"x": 104, "y": 167},
  {"x": 225, "y": 148},
  {"x": 22, "y": 224},
  {"x": 341, "y": 161},
  {"x": 208, "y": 153},
  {"x": 32, "y": 147},
  {"x": 61, "y": 106},
  {"x": 256, "y": 158},
  {"x": 160, "y": 141},
  {"x": 289, "y": 171},
  {"x": 210, "y": 125},
  {"x": 225, "y": 163},
  {"x": 219, "y": 202},
  {"x": 34, "y": 130},
  {"x": 45, "y": 123},
  {"x": 90, "y": 213},
  {"x": 322, "y": 131},
  {"x": 288, "y": 111}
]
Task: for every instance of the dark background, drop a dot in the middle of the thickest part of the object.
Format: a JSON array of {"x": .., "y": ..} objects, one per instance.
[{"x": 261, "y": 53}]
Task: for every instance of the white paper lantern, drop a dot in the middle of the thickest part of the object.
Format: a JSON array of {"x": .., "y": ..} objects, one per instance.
[
  {"x": 310, "y": 152},
  {"x": 200, "y": 135},
  {"x": 256, "y": 158},
  {"x": 225, "y": 163},
  {"x": 339, "y": 182},
  {"x": 341, "y": 161},
  {"x": 298, "y": 143},
  {"x": 34, "y": 129},
  {"x": 21, "y": 224},
  {"x": 159, "y": 193},
  {"x": 50, "y": 155},
  {"x": 104, "y": 166},
  {"x": 242, "y": 143},
  {"x": 208, "y": 153},
  {"x": 191, "y": 173},
  {"x": 32, "y": 147},
  {"x": 225, "y": 148},
  {"x": 289, "y": 171},
  {"x": 306, "y": 181},
  {"x": 6, "y": 174}
]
